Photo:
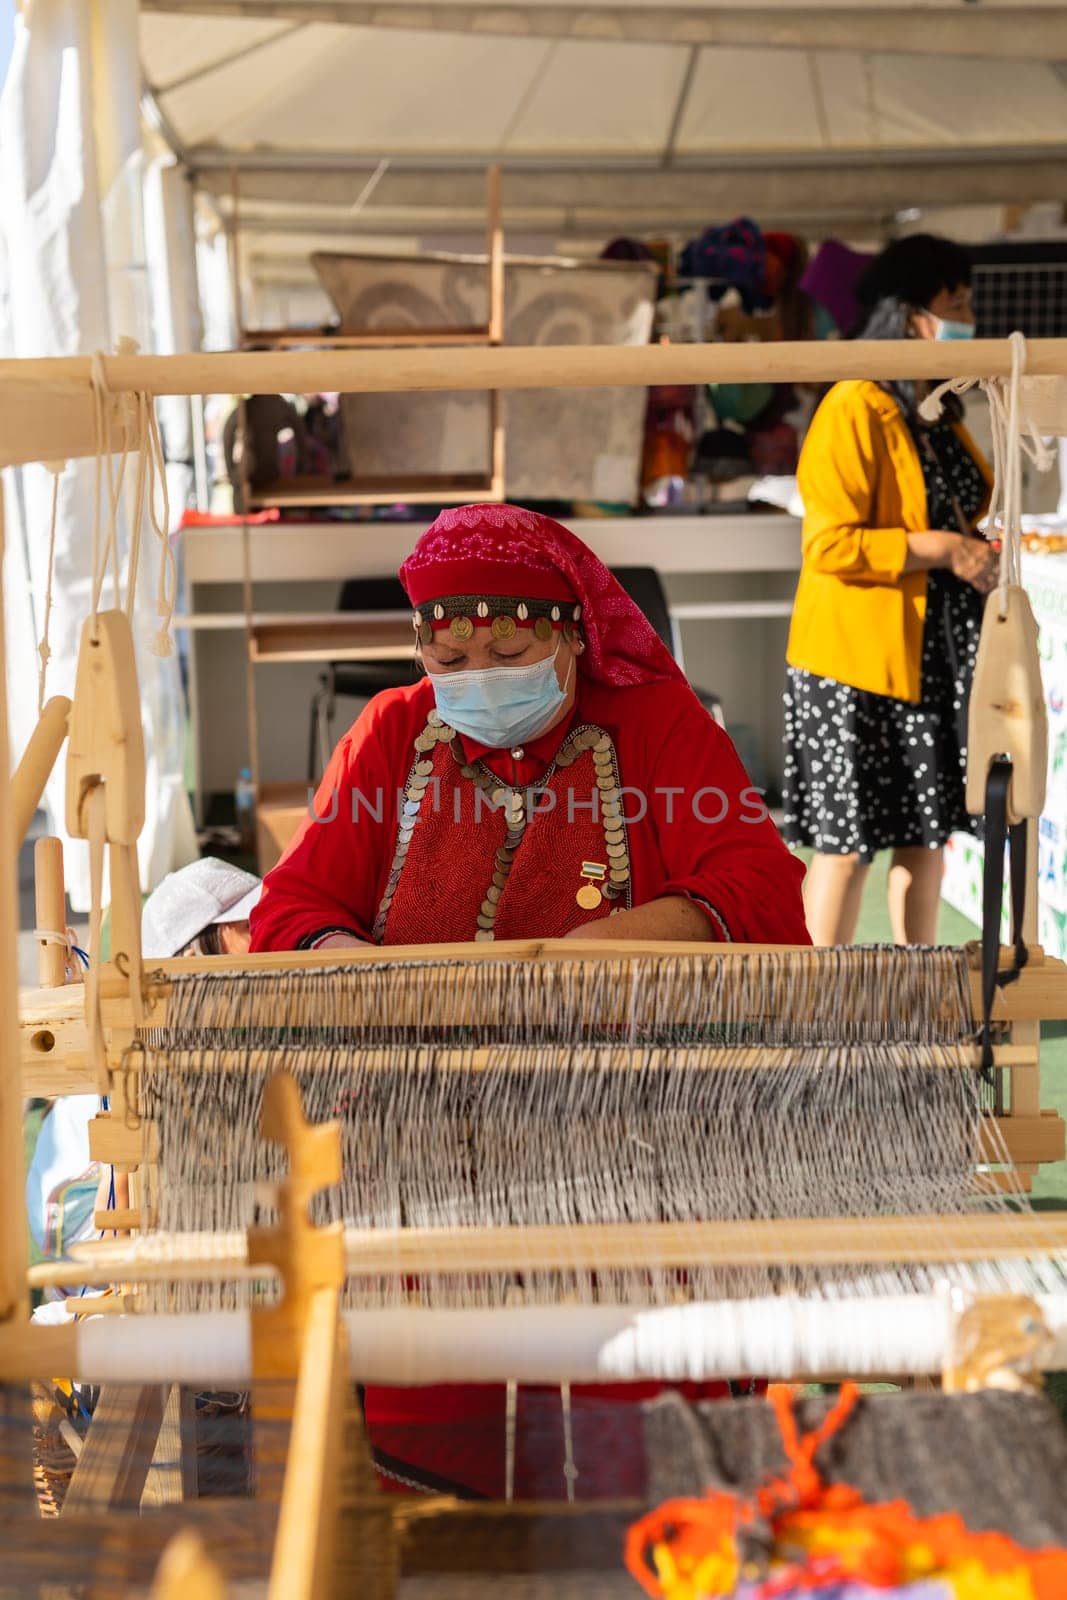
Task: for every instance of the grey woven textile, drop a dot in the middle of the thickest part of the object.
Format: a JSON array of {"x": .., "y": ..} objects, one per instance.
[{"x": 999, "y": 1460}]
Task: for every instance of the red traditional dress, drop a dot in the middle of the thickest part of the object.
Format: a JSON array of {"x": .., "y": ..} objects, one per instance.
[{"x": 423, "y": 835}]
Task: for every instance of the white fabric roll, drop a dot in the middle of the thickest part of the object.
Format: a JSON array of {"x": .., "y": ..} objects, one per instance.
[
  {"x": 774, "y": 1338},
  {"x": 187, "y": 1347}
]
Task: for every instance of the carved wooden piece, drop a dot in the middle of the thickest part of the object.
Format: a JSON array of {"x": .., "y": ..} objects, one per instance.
[
  {"x": 1007, "y": 708},
  {"x": 999, "y": 1342}
]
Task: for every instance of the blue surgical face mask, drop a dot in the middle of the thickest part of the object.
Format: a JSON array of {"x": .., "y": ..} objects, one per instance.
[
  {"x": 501, "y": 706},
  {"x": 945, "y": 330}
]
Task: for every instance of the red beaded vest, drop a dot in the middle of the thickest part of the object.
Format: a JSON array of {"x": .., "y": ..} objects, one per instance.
[{"x": 475, "y": 859}]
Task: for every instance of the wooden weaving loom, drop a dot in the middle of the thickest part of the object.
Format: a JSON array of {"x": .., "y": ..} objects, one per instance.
[{"x": 68, "y": 1042}]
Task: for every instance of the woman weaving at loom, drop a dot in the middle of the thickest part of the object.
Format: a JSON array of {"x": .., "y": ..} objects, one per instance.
[{"x": 557, "y": 777}]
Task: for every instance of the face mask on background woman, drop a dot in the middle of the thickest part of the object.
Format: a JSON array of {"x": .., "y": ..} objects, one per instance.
[{"x": 945, "y": 329}]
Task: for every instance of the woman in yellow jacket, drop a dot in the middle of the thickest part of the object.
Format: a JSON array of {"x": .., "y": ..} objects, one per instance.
[{"x": 886, "y": 620}]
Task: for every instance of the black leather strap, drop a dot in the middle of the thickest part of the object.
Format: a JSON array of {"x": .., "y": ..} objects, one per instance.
[{"x": 997, "y": 837}]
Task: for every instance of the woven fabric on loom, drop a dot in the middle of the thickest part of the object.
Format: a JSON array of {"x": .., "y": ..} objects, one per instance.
[{"x": 503, "y": 1092}]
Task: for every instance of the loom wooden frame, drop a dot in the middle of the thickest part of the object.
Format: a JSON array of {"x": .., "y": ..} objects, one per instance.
[
  {"x": 47, "y": 412},
  {"x": 39, "y": 397}
]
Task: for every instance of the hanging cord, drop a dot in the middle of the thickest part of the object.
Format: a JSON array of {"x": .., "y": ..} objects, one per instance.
[
  {"x": 105, "y": 539},
  {"x": 570, "y": 1466},
  {"x": 105, "y": 550},
  {"x": 167, "y": 586},
  {"x": 1013, "y": 437},
  {"x": 1005, "y": 413},
  {"x": 150, "y": 493},
  {"x": 44, "y": 648},
  {"x": 134, "y": 560}
]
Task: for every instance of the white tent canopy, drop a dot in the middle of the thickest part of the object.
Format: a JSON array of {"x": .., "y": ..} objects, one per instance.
[{"x": 343, "y": 119}]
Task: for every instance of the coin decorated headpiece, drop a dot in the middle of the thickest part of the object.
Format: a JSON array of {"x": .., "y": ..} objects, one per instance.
[{"x": 506, "y": 568}]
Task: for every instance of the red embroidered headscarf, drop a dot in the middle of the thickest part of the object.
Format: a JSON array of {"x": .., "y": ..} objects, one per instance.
[{"x": 521, "y": 556}]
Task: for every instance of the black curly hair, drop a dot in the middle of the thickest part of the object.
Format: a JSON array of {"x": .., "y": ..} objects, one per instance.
[{"x": 914, "y": 270}]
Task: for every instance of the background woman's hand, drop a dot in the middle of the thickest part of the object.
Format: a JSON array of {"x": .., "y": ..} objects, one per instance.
[
  {"x": 976, "y": 561},
  {"x": 973, "y": 560}
]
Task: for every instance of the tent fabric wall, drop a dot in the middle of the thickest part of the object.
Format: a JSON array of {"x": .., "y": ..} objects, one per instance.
[{"x": 71, "y": 278}]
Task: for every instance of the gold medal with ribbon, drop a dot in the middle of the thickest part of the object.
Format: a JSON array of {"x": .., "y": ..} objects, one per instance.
[{"x": 589, "y": 895}]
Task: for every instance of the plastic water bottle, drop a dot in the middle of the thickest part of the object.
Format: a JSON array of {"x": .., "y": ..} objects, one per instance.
[{"x": 244, "y": 801}]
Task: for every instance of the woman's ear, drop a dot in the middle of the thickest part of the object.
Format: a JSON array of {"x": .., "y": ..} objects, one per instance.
[{"x": 921, "y": 324}]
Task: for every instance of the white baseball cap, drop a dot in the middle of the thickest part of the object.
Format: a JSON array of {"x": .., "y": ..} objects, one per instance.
[{"x": 190, "y": 900}]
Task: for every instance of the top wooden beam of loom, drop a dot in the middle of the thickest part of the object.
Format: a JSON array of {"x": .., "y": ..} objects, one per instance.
[
  {"x": 47, "y": 409},
  {"x": 1040, "y": 992},
  {"x": 538, "y": 367}
]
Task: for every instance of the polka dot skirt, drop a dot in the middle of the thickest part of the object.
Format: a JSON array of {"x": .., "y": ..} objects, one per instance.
[{"x": 864, "y": 772}]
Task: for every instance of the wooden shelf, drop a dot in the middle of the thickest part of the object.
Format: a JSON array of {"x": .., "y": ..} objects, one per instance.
[
  {"x": 438, "y": 489},
  {"x": 430, "y": 489},
  {"x": 308, "y": 338},
  {"x": 341, "y": 637},
  {"x": 345, "y": 637}
]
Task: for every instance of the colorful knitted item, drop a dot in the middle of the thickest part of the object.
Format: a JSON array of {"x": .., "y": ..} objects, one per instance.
[{"x": 797, "y": 1537}]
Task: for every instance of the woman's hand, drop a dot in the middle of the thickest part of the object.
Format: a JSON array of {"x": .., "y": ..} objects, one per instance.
[
  {"x": 338, "y": 941},
  {"x": 671, "y": 917},
  {"x": 974, "y": 560}
]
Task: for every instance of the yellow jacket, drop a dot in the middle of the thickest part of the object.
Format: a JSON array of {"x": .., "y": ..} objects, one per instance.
[{"x": 858, "y": 616}]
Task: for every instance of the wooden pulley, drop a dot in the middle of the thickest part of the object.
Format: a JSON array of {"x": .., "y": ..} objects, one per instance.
[
  {"x": 1007, "y": 711},
  {"x": 106, "y": 741},
  {"x": 106, "y": 804}
]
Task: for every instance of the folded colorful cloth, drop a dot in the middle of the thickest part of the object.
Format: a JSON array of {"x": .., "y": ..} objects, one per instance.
[{"x": 798, "y": 1536}]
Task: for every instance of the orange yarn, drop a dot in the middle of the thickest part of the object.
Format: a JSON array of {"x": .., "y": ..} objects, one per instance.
[{"x": 823, "y": 1534}]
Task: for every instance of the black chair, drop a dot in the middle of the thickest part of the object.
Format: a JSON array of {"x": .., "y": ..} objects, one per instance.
[
  {"x": 645, "y": 588},
  {"x": 361, "y": 679},
  {"x": 358, "y": 680}
]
